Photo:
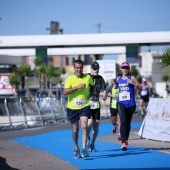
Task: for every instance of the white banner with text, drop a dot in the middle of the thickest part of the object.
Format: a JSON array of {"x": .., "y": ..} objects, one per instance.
[{"x": 156, "y": 124}]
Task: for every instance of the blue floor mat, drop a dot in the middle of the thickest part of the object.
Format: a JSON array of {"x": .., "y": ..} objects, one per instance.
[{"x": 109, "y": 155}]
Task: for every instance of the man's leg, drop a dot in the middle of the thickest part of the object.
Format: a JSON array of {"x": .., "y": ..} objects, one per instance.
[
  {"x": 95, "y": 130},
  {"x": 84, "y": 126},
  {"x": 141, "y": 108},
  {"x": 75, "y": 131},
  {"x": 90, "y": 121}
]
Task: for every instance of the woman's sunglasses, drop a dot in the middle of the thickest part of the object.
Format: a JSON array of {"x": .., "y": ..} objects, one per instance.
[{"x": 125, "y": 68}]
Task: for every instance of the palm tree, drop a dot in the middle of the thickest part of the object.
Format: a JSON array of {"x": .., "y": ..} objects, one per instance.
[
  {"x": 42, "y": 78},
  {"x": 51, "y": 72},
  {"x": 165, "y": 78},
  {"x": 165, "y": 58},
  {"x": 14, "y": 80},
  {"x": 38, "y": 62},
  {"x": 165, "y": 63},
  {"x": 134, "y": 71},
  {"x": 63, "y": 73},
  {"x": 24, "y": 70}
]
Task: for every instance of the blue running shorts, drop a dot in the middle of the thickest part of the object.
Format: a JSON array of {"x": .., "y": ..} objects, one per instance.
[{"x": 74, "y": 115}]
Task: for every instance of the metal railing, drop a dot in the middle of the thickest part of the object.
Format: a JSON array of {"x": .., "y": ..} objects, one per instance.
[{"x": 24, "y": 112}]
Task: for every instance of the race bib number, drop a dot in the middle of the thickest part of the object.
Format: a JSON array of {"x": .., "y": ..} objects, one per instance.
[
  {"x": 123, "y": 96},
  {"x": 79, "y": 102},
  {"x": 144, "y": 93},
  {"x": 94, "y": 105}
]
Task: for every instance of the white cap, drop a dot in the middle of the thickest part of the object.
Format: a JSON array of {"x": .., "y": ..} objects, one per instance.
[{"x": 143, "y": 79}]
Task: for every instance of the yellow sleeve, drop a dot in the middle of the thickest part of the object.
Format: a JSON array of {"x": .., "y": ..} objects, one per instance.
[
  {"x": 91, "y": 82},
  {"x": 68, "y": 82}
]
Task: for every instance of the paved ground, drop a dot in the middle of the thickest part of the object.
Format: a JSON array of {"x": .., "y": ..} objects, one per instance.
[{"x": 14, "y": 156}]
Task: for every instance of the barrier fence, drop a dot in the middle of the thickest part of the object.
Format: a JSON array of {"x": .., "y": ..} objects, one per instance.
[
  {"x": 30, "y": 112},
  {"x": 24, "y": 112}
]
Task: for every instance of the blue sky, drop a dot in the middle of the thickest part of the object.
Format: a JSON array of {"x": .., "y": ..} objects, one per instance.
[{"x": 32, "y": 17}]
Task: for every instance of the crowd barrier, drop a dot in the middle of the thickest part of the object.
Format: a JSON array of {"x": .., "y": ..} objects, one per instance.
[
  {"x": 26, "y": 112},
  {"x": 156, "y": 124}
]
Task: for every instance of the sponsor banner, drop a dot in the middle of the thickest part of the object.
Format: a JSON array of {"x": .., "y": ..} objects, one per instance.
[
  {"x": 156, "y": 124},
  {"x": 5, "y": 87},
  {"x": 107, "y": 69}
]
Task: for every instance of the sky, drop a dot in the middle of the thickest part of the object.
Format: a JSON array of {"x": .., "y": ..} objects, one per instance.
[{"x": 32, "y": 17}]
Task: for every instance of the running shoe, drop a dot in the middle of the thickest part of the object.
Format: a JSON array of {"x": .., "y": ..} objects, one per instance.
[
  {"x": 114, "y": 129},
  {"x": 92, "y": 148},
  {"x": 76, "y": 153},
  {"x": 124, "y": 146},
  {"x": 88, "y": 144},
  {"x": 118, "y": 136},
  {"x": 142, "y": 115},
  {"x": 84, "y": 153}
]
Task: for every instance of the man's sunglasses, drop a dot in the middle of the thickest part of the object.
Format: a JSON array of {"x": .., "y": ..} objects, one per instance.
[{"x": 95, "y": 68}]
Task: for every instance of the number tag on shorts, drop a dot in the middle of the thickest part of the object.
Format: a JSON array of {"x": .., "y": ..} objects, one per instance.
[
  {"x": 94, "y": 105},
  {"x": 144, "y": 93},
  {"x": 79, "y": 102},
  {"x": 123, "y": 96}
]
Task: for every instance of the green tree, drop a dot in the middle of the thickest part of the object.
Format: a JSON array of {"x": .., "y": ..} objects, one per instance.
[
  {"x": 165, "y": 58},
  {"x": 165, "y": 78},
  {"x": 51, "y": 72},
  {"x": 118, "y": 72},
  {"x": 14, "y": 80},
  {"x": 24, "y": 71},
  {"x": 134, "y": 71},
  {"x": 62, "y": 74},
  {"x": 39, "y": 71}
]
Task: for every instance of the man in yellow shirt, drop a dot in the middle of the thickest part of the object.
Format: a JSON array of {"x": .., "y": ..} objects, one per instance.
[{"x": 78, "y": 107}]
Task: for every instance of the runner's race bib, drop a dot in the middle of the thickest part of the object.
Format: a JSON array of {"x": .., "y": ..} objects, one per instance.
[
  {"x": 94, "y": 105},
  {"x": 123, "y": 96},
  {"x": 143, "y": 93},
  {"x": 79, "y": 102}
]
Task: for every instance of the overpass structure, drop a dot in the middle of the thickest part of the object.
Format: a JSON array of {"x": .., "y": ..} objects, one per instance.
[{"x": 71, "y": 44}]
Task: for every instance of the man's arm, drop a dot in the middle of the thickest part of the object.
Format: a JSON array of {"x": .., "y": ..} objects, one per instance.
[
  {"x": 104, "y": 96},
  {"x": 71, "y": 90}
]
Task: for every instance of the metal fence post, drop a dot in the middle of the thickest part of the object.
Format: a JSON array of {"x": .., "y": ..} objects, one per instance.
[{"x": 8, "y": 114}]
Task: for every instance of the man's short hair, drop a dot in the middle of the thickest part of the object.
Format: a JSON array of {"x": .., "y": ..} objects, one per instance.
[{"x": 78, "y": 61}]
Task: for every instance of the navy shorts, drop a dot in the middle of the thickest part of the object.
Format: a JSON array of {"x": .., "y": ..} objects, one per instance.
[
  {"x": 74, "y": 115},
  {"x": 113, "y": 112},
  {"x": 145, "y": 98},
  {"x": 95, "y": 114}
]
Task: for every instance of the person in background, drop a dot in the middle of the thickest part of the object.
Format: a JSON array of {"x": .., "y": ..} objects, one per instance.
[
  {"x": 144, "y": 96},
  {"x": 126, "y": 103},
  {"x": 93, "y": 122},
  {"x": 78, "y": 107},
  {"x": 112, "y": 92}
]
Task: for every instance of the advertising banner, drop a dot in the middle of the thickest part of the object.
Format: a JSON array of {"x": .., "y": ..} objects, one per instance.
[
  {"x": 107, "y": 69},
  {"x": 156, "y": 124},
  {"x": 5, "y": 87}
]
